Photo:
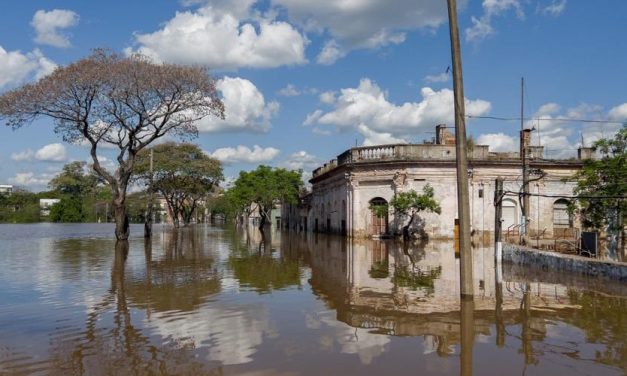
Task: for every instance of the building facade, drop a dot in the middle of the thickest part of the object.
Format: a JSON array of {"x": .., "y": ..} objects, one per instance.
[{"x": 345, "y": 190}]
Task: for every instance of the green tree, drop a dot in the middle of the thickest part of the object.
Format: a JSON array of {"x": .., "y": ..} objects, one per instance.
[
  {"x": 74, "y": 180},
  {"x": 69, "y": 209},
  {"x": 20, "y": 206},
  {"x": 122, "y": 102},
  {"x": 264, "y": 187},
  {"x": 182, "y": 173},
  {"x": 221, "y": 205},
  {"x": 410, "y": 204},
  {"x": 605, "y": 178}
]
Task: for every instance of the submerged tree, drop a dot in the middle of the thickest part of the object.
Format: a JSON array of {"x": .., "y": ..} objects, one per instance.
[
  {"x": 602, "y": 186},
  {"x": 108, "y": 100},
  {"x": 409, "y": 204},
  {"x": 263, "y": 188},
  {"x": 182, "y": 173}
]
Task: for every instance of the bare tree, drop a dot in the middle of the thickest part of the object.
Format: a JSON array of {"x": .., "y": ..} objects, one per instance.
[{"x": 108, "y": 100}]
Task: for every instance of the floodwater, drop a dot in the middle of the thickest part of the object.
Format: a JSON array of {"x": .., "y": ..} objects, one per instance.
[{"x": 221, "y": 301}]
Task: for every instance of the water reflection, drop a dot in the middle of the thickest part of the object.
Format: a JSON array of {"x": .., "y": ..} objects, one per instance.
[
  {"x": 120, "y": 345},
  {"x": 223, "y": 301}
]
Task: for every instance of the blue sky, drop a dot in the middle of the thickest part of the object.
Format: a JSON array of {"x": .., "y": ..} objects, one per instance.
[{"x": 304, "y": 80}]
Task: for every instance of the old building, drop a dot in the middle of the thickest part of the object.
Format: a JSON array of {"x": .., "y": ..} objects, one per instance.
[{"x": 344, "y": 190}]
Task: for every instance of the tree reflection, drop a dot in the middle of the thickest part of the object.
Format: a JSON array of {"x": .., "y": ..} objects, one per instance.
[
  {"x": 258, "y": 268},
  {"x": 181, "y": 279},
  {"x": 120, "y": 348},
  {"x": 604, "y": 321}
]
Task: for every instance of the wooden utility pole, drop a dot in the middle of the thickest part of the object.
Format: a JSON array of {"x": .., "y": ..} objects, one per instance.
[
  {"x": 149, "y": 215},
  {"x": 463, "y": 202},
  {"x": 524, "y": 140}
]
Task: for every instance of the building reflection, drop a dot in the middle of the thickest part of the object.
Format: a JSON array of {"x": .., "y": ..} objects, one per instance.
[{"x": 388, "y": 289}]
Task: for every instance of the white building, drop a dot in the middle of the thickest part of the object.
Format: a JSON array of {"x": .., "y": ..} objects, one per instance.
[
  {"x": 344, "y": 190},
  {"x": 45, "y": 204},
  {"x": 6, "y": 189}
]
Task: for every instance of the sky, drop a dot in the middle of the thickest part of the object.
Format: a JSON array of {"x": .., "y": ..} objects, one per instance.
[{"x": 302, "y": 80}]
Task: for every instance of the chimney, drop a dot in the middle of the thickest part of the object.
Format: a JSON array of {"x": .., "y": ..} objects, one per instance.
[
  {"x": 443, "y": 136},
  {"x": 525, "y": 140},
  {"x": 585, "y": 153}
]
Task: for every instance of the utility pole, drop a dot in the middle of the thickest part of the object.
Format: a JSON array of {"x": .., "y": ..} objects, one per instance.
[
  {"x": 498, "y": 224},
  {"x": 463, "y": 203},
  {"x": 524, "y": 140},
  {"x": 148, "y": 220}
]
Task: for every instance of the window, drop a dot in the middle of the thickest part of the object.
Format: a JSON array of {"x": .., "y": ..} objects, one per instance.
[{"x": 561, "y": 216}]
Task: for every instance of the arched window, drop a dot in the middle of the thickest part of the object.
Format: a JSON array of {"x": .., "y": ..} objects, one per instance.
[{"x": 561, "y": 216}]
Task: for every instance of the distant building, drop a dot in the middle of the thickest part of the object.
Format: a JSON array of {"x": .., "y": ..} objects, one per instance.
[
  {"x": 45, "y": 204},
  {"x": 345, "y": 189},
  {"x": 6, "y": 189}
]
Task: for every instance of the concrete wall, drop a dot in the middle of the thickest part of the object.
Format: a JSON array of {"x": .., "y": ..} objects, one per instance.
[{"x": 552, "y": 261}]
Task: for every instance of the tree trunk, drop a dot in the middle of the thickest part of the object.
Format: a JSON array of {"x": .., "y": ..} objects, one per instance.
[
  {"x": 406, "y": 228},
  {"x": 121, "y": 219},
  {"x": 263, "y": 221}
]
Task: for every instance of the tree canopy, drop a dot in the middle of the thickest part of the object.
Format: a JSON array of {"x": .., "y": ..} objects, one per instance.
[
  {"x": 109, "y": 100},
  {"x": 602, "y": 185},
  {"x": 262, "y": 188},
  {"x": 182, "y": 173}
]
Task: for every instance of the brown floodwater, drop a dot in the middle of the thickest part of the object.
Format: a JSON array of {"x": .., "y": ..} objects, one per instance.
[{"x": 223, "y": 301}]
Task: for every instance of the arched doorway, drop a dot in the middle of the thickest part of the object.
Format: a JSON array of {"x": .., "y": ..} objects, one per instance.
[
  {"x": 378, "y": 217},
  {"x": 510, "y": 214}
]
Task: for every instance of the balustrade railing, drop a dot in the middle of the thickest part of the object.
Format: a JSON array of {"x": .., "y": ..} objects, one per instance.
[{"x": 376, "y": 152}]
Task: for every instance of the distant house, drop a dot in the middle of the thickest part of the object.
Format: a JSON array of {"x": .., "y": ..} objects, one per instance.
[
  {"x": 45, "y": 204},
  {"x": 6, "y": 189}
]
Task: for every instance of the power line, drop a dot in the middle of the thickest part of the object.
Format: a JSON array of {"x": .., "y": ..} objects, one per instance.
[{"x": 547, "y": 119}]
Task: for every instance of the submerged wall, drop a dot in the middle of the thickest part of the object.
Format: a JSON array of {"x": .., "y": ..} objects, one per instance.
[{"x": 553, "y": 261}]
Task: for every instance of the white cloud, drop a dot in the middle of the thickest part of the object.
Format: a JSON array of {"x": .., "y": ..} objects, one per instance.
[
  {"x": 289, "y": 91},
  {"x": 331, "y": 52},
  {"x": 366, "y": 109},
  {"x": 16, "y": 67},
  {"x": 498, "y": 142},
  {"x": 48, "y": 26},
  {"x": 48, "y": 153},
  {"x": 555, "y": 8},
  {"x": 23, "y": 156},
  {"x": 442, "y": 77},
  {"x": 29, "y": 179},
  {"x": 618, "y": 113},
  {"x": 225, "y": 35},
  {"x": 301, "y": 160},
  {"x": 52, "y": 153},
  {"x": 378, "y": 138},
  {"x": 482, "y": 27},
  {"x": 328, "y": 97},
  {"x": 245, "y": 108},
  {"x": 313, "y": 117},
  {"x": 245, "y": 154},
  {"x": 362, "y": 24}
]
